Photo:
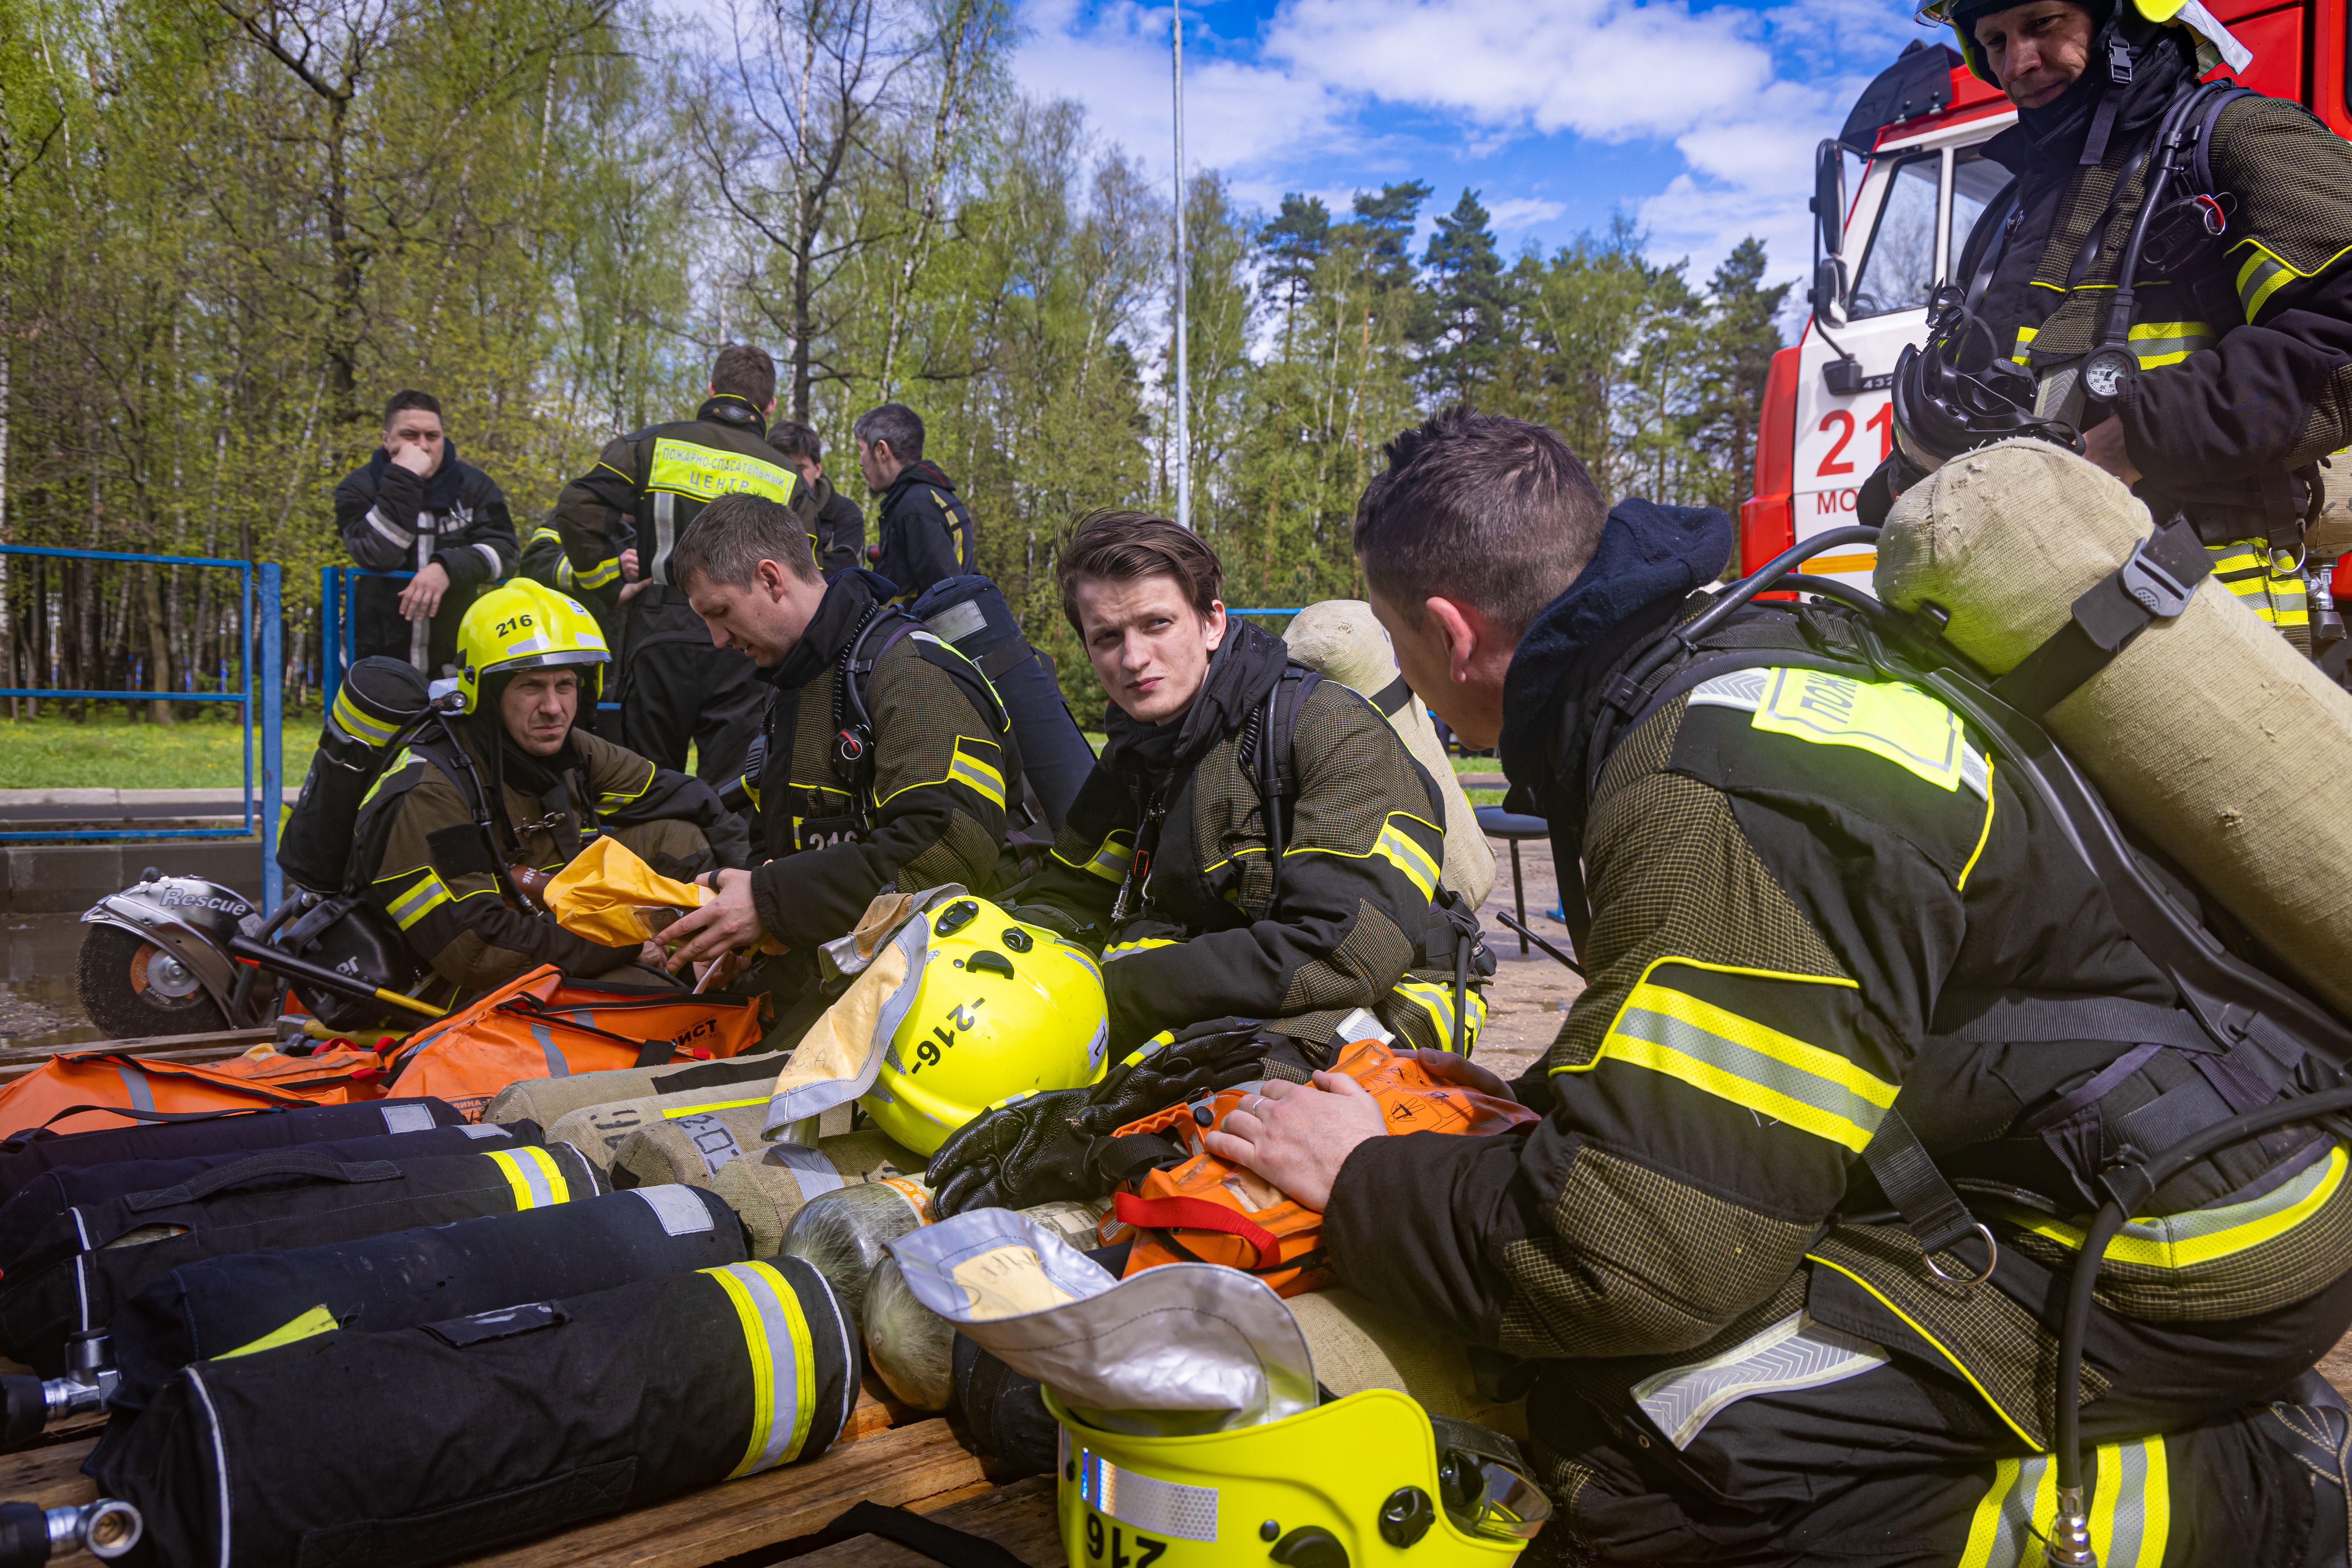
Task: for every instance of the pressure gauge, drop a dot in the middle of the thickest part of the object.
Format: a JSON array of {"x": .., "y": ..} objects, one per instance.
[{"x": 2108, "y": 372}]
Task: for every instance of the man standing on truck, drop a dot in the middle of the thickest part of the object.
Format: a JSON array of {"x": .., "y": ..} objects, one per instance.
[
  {"x": 618, "y": 524},
  {"x": 2239, "y": 376}
]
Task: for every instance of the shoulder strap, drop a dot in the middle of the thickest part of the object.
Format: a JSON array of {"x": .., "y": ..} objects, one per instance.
[{"x": 2202, "y": 137}]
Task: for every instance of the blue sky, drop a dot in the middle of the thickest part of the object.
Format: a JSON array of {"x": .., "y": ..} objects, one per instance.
[{"x": 1698, "y": 121}]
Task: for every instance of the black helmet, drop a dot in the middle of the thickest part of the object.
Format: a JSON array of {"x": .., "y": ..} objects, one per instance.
[{"x": 1960, "y": 392}]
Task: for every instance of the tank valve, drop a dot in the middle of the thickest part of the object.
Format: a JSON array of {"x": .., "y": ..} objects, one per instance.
[
  {"x": 2070, "y": 1534},
  {"x": 31, "y": 1406},
  {"x": 30, "y": 1534}
]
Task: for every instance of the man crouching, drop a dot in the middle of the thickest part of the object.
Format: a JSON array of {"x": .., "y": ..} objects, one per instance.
[{"x": 524, "y": 792}]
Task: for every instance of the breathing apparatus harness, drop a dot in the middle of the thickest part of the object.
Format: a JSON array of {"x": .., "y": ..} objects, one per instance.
[
  {"x": 1958, "y": 391},
  {"x": 2226, "y": 1001}
]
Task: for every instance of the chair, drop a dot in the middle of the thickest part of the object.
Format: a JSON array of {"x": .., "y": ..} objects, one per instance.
[{"x": 1496, "y": 822}]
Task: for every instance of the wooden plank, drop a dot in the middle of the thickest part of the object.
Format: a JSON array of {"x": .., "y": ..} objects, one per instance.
[
  {"x": 51, "y": 1476},
  {"x": 149, "y": 1045},
  {"x": 1020, "y": 1518},
  {"x": 908, "y": 1466}
]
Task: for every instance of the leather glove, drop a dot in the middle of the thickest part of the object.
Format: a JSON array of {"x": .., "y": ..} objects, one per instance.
[
  {"x": 1161, "y": 1072},
  {"x": 1026, "y": 1152}
]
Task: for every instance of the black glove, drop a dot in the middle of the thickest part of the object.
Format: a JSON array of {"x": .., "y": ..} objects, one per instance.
[
  {"x": 1156, "y": 1074},
  {"x": 1026, "y": 1152}
]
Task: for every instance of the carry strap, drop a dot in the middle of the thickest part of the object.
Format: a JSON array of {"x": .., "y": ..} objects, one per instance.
[
  {"x": 2200, "y": 160},
  {"x": 1199, "y": 1214},
  {"x": 926, "y": 1537},
  {"x": 308, "y": 1163},
  {"x": 2154, "y": 583},
  {"x": 1274, "y": 728},
  {"x": 136, "y": 1114}
]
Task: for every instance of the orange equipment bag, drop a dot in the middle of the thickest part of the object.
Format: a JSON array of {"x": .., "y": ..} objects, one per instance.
[
  {"x": 1208, "y": 1210},
  {"x": 541, "y": 1024},
  {"x": 78, "y": 1091}
]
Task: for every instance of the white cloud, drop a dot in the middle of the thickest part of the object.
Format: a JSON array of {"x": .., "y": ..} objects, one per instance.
[
  {"x": 1522, "y": 212},
  {"x": 1741, "y": 96}
]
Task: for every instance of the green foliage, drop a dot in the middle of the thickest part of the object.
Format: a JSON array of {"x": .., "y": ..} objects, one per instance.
[{"x": 229, "y": 229}]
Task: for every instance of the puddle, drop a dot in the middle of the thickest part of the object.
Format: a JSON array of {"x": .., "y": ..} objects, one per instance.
[{"x": 38, "y": 1004}]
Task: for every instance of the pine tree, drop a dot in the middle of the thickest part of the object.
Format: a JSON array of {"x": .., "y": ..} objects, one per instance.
[
  {"x": 1467, "y": 302},
  {"x": 1384, "y": 227},
  {"x": 1740, "y": 342},
  {"x": 1292, "y": 243}
]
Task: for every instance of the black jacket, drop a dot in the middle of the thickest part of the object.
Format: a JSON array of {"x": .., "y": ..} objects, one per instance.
[
  {"x": 927, "y": 530},
  {"x": 668, "y": 469},
  {"x": 925, "y": 809},
  {"x": 1804, "y": 913},
  {"x": 392, "y": 521},
  {"x": 2244, "y": 340},
  {"x": 1173, "y": 815},
  {"x": 840, "y": 539}
]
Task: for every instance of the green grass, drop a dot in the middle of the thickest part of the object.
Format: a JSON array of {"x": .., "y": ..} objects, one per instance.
[{"x": 112, "y": 752}]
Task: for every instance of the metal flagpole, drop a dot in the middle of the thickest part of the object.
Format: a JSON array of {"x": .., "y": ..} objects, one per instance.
[{"x": 1183, "y": 370}]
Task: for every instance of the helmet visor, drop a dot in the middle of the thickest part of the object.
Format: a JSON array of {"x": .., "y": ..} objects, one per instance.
[
  {"x": 1506, "y": 1506},
  {"x": 549, "y": 661}
]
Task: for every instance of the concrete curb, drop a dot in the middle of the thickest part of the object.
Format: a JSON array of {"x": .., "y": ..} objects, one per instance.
[{"x": 57, "y": 879}]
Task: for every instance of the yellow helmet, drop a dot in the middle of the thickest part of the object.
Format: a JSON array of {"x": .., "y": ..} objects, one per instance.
[
  {"x": 1001, "y": 1008},
  {"x": 525, "y": 626},
  {"x": 1357, "y": 1483}
]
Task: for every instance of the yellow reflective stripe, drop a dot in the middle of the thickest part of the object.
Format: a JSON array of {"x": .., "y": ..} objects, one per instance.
[
  {"x": 706, "y": 473},
  {"x": 964, "y": 768},
  {"x": 356, "y": 723},
  {"x": 2208, "y": 1235},
  {"x": 564, "y": 571},
  {"x": 1109, "y": 861},
  {"x": 309, "y": 1325},
  {"x": 429, "y": 894},
  {"x": 977, "y": 774},
  {"x": 612, "y": 797},
  {"x": 1887, "y": 718},
  {"x": 536, "y": 1176},
  {"x": 406, "y": 759},
  {"x": 714, "y": 1105},
  {"x": 2251, "y": 572},
  {"x": 1437, "y": 1001},
  {"x": 2156, "y": 344},
  {"x": 1941, "y": 1349},
  {"x": 2002, "y": 1525},
  {"x": 752, "y": 791},
  {"x": 547, "y": 534},
  {"x": 2131, "y": 1504},
  {"x": 783, "y": 1357},
  {"x": 1750, "y": 1064},
  {"x": 598, "y": 575},
  {"x": 2260, "y": 278},
  {"x": 2025, "y": 335},
  {"x": 1983, "y": 838},
  {"x": 1396, "y": 847},
  {"x": 1141, "y": 944},
  {"x": 608, "y": 468}
]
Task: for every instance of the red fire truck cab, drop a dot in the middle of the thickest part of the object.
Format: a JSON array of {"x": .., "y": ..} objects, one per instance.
[{"x": 1920, "y": 128}]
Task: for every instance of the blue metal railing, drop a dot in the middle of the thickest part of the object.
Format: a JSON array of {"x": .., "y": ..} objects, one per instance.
[
  {"x": 335, "y": 632},
  {"x": 260, "y": 648}
]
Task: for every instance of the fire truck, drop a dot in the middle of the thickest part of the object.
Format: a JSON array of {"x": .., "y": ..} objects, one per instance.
[{"x": 1919, "y": 130}]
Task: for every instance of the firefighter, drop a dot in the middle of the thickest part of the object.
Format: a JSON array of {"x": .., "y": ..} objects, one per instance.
[
  {"x": 840, "y": 537},
  {"x": 416, "y": 508},
  {"x": 529, "y": 790},
  {"x": 545, "y": 563},
  {"x": 926, "y": 529},
  {"x": 1838, "y": 976},
  {"x": 618, "y": 524},
  {"x": 1322, "y": 914},
  {"x": 2235, "y": 381},
  {"x": 888, "y": 755}
]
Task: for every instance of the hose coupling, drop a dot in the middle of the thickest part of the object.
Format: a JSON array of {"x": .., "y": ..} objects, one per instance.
[{"x": 2070, "y": 1534}]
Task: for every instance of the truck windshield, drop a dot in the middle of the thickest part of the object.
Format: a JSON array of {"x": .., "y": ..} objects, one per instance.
[
  {"x": 1976, "y": 180},
  {"x": 1899, "y": 272}
]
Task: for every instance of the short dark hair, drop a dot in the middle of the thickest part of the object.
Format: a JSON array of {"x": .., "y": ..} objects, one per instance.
[
  {"x": 744, "y": 370},
  {"x": 401, "y": 401},
  {"x": 793, "y": 440},
  {"x": 729, "y": 539},
  {"x": 1496, "y": 512},
  {"x": 1120, "y": 546},
  {"x": 897, "y": 423}
]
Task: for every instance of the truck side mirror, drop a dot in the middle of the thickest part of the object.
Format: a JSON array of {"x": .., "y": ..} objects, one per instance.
[
  {"x": 1829, "y": 195},
  {"x": 1828, "y": 294}
]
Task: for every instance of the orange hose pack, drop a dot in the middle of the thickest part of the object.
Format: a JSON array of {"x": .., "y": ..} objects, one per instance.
[
  {"x": 1208, "y": 1210},
  {"x": 541, "y": 1024},
  {"x": 74, "y": 1091}
]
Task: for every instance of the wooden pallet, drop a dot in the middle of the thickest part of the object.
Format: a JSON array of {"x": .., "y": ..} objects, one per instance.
[{"x": 218, "y": 1045}]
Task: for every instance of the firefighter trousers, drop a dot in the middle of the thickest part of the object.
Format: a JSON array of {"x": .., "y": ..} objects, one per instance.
[
  {"x": 1891, "y": 1464},
  {"x": 676, "y": 692}
]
